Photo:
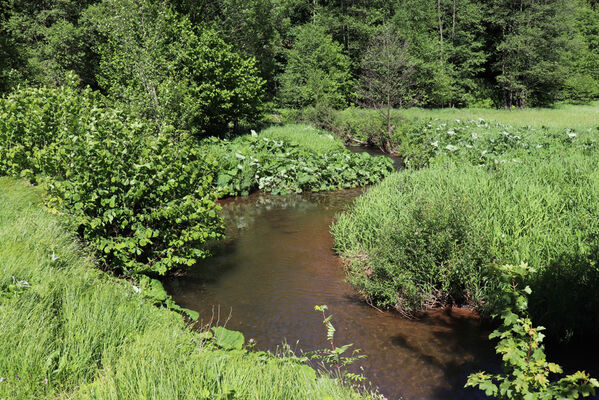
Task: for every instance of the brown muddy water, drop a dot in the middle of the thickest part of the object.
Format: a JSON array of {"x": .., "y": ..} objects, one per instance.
[{"x": 277, "y": 264}]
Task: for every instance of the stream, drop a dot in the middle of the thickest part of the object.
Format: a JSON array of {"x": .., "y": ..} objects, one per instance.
[{"x": 277, "y": 263}]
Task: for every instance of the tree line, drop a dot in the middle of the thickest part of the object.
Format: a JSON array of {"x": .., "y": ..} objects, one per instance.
[{"x": 162, "y": 56}]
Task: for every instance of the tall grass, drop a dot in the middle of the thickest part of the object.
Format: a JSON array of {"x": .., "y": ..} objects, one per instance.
[
  {"x": 306, "y": 137},
  {"x": 430, "y": 237},
  {"x": 68, "y": 330},
  {"x": 562, "y": 116}
]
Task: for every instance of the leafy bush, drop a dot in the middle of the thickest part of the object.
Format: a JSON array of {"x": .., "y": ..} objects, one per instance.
[
  {"x": 317, "y": 71},
  {"x": 142, "y": 199},
  {"x": 425, "y": 238},
  {"x": 526, "y": 369},
  {"x": 261, "y": 162}
]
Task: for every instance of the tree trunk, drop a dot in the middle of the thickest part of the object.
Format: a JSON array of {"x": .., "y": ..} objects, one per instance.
[
  {"x": 453, "y": 22},
  {"x": 440, "y": 30}
]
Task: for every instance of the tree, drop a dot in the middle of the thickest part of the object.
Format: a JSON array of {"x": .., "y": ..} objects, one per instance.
[
  {"x": 317, "y": 71},
  {"x": 153, "y": 59},
  {"x": 530, "y": 39},
  {"x": 387, "y": 77}
]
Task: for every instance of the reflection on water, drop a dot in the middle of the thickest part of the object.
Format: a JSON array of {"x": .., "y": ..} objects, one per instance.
[{"x": 277, "y": 263}]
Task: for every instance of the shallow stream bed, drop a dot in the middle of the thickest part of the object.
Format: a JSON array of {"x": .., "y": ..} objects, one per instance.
[{"x": 277, "y": 263}]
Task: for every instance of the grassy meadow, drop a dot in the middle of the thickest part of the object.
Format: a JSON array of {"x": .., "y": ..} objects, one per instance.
[
  {"x": 70, "y": 331},
  {"x": 483, "y": 189},
  {"x": 560, "y": 116}
]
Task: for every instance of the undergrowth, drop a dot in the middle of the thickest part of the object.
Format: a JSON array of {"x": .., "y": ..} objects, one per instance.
[
  {"x": 291, "y": 159},
  {"x": 68, "y": 330}
]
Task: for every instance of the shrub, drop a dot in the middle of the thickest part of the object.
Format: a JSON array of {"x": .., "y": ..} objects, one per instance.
[
  {"x": 425, "y": 238},
  {"x": 526, "y": 372},
  {"x": 141, "y": 198},
  {"x": 296, "y": 163},
  {"x": 317, "y": 71}
]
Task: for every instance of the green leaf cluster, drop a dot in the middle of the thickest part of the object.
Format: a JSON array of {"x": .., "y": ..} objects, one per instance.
[
  {"x": 142, "y": 198},
  {"x": 261, "y": 163},
  {"x": 527, "y": 373}
]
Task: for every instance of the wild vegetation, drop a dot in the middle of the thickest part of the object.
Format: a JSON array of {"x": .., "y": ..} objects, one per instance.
[
  {"x": 427, "y": 237},
  {"x": 135, "y": 116},
  {"x": 291, "y": 159},
  {"x": 69, "y": 330}
]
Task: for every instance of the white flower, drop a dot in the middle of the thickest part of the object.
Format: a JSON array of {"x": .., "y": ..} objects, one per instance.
[
  {"x": 451, "y": 147},
  {"x": 451, "y": 132},
  {"x": 504, "y": 133},
  {"x": 136, "y": 289},
  {"x": 435, "y": 143},
  {"x": 571, "y": 135},
  {"x": 474, "y": 135}
]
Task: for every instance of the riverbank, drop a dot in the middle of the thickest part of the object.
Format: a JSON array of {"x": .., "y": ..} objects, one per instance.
[
  {"x": 69, "y": 330},
  {"x": 476, "y": 195}
]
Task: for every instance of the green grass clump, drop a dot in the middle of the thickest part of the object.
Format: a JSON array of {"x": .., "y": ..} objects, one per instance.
[
  {"x": 427, "y": 238},
  {"x": 306, "y": 137},
  {"x": 67, "y": 330}
]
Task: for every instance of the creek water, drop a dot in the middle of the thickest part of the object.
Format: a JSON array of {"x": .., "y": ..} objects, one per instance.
[{"x": 277, "y": 263}]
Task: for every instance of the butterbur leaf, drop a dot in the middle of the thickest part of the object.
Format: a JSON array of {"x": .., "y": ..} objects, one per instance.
[{"x": 227, "y": 339}]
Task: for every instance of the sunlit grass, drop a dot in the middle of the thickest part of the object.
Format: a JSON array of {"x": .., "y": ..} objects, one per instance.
[
  {"x": 69, "y": 331},
  {"x": 562, "y": 116},
  {"x": 305, "y": 136}
]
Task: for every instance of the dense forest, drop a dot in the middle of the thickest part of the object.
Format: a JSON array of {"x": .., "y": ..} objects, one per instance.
[{"x": 297, "y": 53}]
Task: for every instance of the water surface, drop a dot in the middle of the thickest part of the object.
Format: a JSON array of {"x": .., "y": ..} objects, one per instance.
[{"x": 277, "y": 263}]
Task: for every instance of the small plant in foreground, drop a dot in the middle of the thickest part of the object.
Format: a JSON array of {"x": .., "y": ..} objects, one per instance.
[
  {"x": 526, "y": 369},
  {"x": 333, "y": 358}
]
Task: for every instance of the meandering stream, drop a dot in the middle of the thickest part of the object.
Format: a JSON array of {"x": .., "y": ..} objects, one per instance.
[{"x": 277, "y": 263}]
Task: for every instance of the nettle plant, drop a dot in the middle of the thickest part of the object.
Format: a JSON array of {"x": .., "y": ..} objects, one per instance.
[{"x": 527, "y": 373}]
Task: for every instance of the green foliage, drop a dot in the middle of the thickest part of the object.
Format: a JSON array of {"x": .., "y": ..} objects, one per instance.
[
  {"x": 527, "y": 373},
  {"x": 74, "y": 332},
  {"x": 144, "y": 203},
  {"x": 263, "y": 162},
  {"x": 228, "y": 339},
  {"x": 154, "y": 60},
  {"x": 425, "y": 238},
  {"x": 317, "y": 71},
  {"x": 333, "y": 357},
  {"x": 481, "y": 142},
  {"x": 44, "y": 41}
]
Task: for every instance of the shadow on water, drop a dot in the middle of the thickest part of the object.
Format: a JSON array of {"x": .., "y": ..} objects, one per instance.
[{"x": 276, "y": 264}]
